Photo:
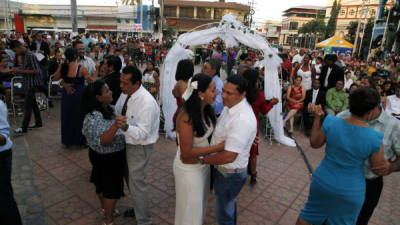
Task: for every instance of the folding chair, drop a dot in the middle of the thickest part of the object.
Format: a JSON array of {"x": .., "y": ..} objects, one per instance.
[
  {"x": 54, "y": 92},
  {"x": 17, "y": 89}
]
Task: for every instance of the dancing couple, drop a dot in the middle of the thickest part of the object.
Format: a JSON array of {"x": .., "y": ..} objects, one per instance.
[{"x": 203, "y": 141}]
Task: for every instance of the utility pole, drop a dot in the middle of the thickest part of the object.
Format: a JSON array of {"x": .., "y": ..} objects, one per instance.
[
  {"x": 386, "y": 27},
  {"x": 358, "y": 27},
  {"x": 7, "y": 21},
  {"x": 161, "y": 20},
  {"x": 141, "y": 17},
  {"x": 363, "y": 32},
  {"x": 74, "y": 16}
]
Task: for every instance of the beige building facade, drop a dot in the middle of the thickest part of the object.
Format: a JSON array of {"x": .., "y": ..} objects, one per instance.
[
  {"x": 351, "y": 10},
  {"x": 294, "y": 18}
]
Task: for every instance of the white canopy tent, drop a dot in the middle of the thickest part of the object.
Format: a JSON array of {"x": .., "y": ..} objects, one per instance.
[{"x": 232, "y": 32}]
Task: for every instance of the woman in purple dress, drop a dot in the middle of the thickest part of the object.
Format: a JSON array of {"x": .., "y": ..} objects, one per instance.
[
  {"x": 231, "y": 60},
  {"x": 73, "y": 81}
]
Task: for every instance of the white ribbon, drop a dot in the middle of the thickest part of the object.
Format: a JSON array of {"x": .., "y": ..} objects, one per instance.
[{"x": 189, "y": 90}]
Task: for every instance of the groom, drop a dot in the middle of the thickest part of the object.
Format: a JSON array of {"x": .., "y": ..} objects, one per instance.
[{"x": 237, "y": 127}]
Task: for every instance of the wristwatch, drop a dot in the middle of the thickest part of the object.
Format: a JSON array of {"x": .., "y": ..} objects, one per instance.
[
  {"x": 201, "y": 160},
  {"x": 126, "y": 127}
]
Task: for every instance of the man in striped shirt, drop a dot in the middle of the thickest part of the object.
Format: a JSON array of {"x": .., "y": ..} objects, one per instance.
[{"x": 30, "y": 69}]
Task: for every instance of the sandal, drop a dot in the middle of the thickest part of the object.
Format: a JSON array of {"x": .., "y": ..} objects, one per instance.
[{"x": 115, "y": 214}]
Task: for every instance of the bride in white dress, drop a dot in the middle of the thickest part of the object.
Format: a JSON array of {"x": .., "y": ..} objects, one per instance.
[{"x": 195, "y": 124}]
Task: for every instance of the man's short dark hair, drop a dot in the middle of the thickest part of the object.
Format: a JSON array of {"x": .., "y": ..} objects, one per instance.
[
  {"x": 15, "y": 44},
  {"x": 114, "y": 61},
  {"x": 75, "y": 43},
  {"x": 136, "y": 75},
  {"x": 363, "y": 100},
  {"x": 330, "y": 57},
  {"x": 215, "y": 65}
]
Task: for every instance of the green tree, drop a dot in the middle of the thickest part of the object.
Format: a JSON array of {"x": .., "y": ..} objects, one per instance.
[
  {"x": 330, "y": 27},
  {"x": 314, "y": 26},
  {"x": 393, "y": 35},
  {"x": 352, "y": 31},
  {"x": 368, "y": 33},
  {"x": 130, "y": 2}
]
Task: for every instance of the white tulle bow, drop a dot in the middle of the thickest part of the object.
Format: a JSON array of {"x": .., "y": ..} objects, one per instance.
[{"x": 189, "y": 90}]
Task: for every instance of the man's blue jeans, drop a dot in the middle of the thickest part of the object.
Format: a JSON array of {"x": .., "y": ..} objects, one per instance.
[{"x": 227, "y": 187}]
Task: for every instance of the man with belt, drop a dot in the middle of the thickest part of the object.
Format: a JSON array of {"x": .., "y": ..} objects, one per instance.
[
  {"x": 32, "y": 83},
  {"x": 9, "y": 213},
  {"x": 237, "y": 127},
  {"x": 139, "y": 118},
  {"x": 382, "y": 122}
]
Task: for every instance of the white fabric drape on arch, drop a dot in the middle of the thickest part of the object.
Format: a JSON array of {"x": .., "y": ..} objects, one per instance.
[{"x": 231, "y": 31}]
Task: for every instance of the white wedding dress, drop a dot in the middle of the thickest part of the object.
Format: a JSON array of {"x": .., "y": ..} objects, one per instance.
[{"x": 192, "y": 186}]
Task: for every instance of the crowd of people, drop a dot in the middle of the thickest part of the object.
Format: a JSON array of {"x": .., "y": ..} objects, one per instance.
[{"x": 109, "y": 105}]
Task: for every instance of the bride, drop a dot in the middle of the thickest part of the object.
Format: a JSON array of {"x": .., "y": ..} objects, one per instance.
[{"x": 195, "y": 124}]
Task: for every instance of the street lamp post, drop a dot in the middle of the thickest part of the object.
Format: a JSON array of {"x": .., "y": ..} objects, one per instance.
[
  {"x": 358, "y": 27},
  {"x": 74, "y": 16}
]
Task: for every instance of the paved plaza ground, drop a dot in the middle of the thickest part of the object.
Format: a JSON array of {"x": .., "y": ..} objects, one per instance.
[{"x": 52, "y": 186}]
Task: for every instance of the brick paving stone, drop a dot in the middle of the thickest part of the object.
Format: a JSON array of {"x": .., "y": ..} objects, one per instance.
[
  {"x": 53, "y": 162},
  {"x": 279, "y": 194},
  {"x": 249, "y": 218},
  {"x": 66, "y": 172},
  {"x": 267, "y": 208},
  {"x": 68, "y": 211},
  {"x": 290, "y": 217},
  {"x": 54, "y": 194}
]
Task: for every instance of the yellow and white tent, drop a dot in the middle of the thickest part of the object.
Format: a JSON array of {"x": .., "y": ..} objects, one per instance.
[
  {"x": 335, "y": 45},
  {"x": 334, "y": 41}
]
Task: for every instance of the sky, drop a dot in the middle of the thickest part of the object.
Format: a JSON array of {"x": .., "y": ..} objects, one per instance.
[{"x": 265, "y": 9}]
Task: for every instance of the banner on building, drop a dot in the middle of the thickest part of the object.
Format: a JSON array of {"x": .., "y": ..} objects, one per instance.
[
  {"x": 135, "y": 27},
  {"x": 19, "y": 23}
]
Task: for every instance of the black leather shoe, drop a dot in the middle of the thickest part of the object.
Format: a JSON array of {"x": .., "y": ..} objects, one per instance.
[
  {"x": 253, "y": 179},
  {"x": 129, "y": 213}
]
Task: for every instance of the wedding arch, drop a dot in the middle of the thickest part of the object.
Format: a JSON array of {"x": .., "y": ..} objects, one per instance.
[{"x": 231, "y": 32}]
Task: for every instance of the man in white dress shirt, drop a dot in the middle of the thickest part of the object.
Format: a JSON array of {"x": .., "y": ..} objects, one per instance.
[
  {"x": 237, "y": 126},
  {"x": 393, "y": 103},
  {"x": 299, "y": 57},
  {"x": 84, "y": 60},
  {"x": 139, "y": 118}
]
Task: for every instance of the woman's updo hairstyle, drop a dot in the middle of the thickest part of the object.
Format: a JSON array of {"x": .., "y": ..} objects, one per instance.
[
  {"x": 192, "y": 105},
  {"x": 71, "y": 54}
]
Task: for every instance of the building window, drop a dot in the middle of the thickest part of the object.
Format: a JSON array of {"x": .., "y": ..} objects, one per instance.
[
  {"x": 170, "y": 11},
  {"x": 204, "y": 13},
  {"x": 218, "y": 13},
  {"x": 187, "y": 12},
  {"x": 118, "y": 20},
  {"x": 127, "y": 21},
  {"x": 342, "y": 12},
  {"x": 293, "y": 25},
  {"x": 372, "y": 12},
  {"x": 352, "y": 12}
]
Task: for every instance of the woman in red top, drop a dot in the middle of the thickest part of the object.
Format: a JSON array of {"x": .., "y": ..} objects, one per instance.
[
  {"x": 295, "y": 98},
  {"x": 259, "y": 106},
  {"x": 184, "y": 72}
]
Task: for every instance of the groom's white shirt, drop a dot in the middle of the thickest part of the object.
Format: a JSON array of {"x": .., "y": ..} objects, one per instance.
[{"x": 237, "y": 126}]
